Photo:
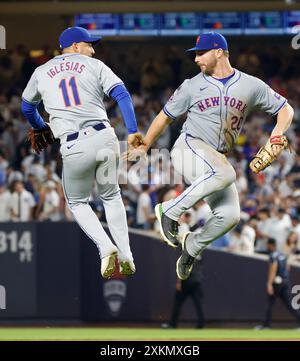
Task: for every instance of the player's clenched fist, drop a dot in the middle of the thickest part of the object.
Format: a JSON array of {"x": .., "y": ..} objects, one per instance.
[{"x": 135, "y": 139}]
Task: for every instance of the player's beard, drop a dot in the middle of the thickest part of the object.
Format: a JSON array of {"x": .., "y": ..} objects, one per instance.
[{"x": 209, "y": 69}]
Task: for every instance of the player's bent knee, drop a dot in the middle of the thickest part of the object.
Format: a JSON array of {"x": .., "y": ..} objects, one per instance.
[
  {"x": 227, "y": 177},
  {"x": 226, "y": 171},
  {"x": 229, "y": 216},
  {"x": 233, "y": 219}
]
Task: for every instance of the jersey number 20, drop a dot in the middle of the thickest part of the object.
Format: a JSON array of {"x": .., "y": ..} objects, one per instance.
[
  {"x": 63, "y": 85},
  {"x": 236, "y": 123}
]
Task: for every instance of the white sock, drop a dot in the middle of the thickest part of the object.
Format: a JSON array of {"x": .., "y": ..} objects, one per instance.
[
  {"x": 117, "y": 224},
  {"x": 90, "y": 224}
]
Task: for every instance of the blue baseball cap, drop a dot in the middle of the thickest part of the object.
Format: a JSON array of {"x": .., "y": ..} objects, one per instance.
[
  {"x": 76, "y": 35},
  {"x": 209, "y": 41}
]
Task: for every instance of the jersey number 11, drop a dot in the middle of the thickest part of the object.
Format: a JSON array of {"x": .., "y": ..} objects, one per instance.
[{"x": 73, "y": 86}]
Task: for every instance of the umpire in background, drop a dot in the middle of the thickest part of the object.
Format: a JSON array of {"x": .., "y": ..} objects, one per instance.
[
  {"x": 191, "y": 287},
  {"x": 278, "y": 283}
]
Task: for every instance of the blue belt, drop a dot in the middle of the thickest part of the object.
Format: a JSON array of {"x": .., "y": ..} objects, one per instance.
[{"x": 74, "y": 136}]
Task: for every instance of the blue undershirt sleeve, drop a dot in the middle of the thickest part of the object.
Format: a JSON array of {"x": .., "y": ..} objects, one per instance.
[
  {"x": 120, "y": 94},
  {"x": 32, "y": 115}
]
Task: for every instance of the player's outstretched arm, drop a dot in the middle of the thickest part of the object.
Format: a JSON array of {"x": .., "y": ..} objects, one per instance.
[{"x": 158, "y": 126}]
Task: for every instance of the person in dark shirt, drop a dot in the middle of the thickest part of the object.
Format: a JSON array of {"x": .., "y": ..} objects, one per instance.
[
  {"x": 278, "y": 283},
  {"x": 191, "y": 287}
]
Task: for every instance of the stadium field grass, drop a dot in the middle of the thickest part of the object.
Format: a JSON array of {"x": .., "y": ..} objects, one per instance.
[{"x": 83, "y": 333}]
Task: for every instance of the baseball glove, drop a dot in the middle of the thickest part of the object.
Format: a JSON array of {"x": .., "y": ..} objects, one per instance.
[
  {"x": 40, "y": 138},
  {"x": 267, "y": 154}
]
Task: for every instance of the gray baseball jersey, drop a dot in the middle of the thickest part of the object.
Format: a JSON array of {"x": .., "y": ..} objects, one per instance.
[
  {"x": 72, "y": 87},
  {"x": 216, "y": 112}
]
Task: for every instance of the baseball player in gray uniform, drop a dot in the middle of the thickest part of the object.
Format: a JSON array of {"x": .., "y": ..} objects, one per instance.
[
  {"x": 217, "y": 102},
  {"x": 72, "y": 86}
]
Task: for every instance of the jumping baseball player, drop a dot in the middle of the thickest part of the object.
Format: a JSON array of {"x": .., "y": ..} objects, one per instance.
[
  {"x": 217, "y": 102},
  {"x": 72, "y": 87}
]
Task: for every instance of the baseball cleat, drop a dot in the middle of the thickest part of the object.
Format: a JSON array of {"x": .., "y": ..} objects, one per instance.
[
  {"x": 127, "y": 268},
  {"x": 168, "y": 227},
  {"x": 108, "y": 265},
  {"x": 185, "y": 262}
]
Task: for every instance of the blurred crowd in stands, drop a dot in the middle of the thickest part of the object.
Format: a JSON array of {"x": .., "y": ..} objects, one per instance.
[{"x": 30, "y": 185}]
